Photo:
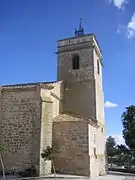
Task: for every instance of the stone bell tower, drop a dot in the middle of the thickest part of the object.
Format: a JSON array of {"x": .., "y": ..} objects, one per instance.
[
  {"x": 80, "y": 69},
  {"x": 80, "y": 66}
]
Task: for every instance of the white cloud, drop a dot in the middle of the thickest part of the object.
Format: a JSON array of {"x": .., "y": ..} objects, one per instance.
[
  {"x": 109, "y": 104},
  {"x": 120, "y": 4},
  {"x": 118, "y": 138},
  {"x": 128, "y": 29},
  {"x": 120, "y": 29},
  {"x": 131, "y": 28}
]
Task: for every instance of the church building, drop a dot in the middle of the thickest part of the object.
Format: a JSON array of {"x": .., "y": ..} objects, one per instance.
[{"x": 67, "y": 115}]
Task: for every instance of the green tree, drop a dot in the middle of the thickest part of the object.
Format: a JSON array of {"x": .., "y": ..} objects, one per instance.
[
  {"x": 1, "y": 160},
  {"x": 128, "y": 122},
  {"x": 111, "y": 148},
  {"x": 122, "y": 149},
  {"x": 48, "y": 154},
  {"x": 123, "y": 154}
]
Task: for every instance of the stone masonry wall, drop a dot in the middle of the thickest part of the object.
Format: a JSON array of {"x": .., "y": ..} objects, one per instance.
[
  {"x": 94, "y": 166},
  {"x": 79, "y": 93},
  {"x": 101, "y": 140},
  {"x": 65, "y": 69},
  {"x": 20, "y": 127},
  {"x": 46, "y": 130},
  {"x": 97, "y": 158},
  {"x": 70, "y": 143},
  {"x": 51, "y": 107},
  {"x": 79, "y": 98},
  {"x": 98, "y": 89}
]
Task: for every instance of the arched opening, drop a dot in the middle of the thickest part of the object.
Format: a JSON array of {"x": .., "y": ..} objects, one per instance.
[{"x": 75, "y": 62}]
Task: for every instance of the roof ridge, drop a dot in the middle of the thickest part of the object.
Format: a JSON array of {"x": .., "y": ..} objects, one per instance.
[
  {"x": 29, "y": 84},
  {"x": 76, "y": 115},
  {"x": 89, "y": 120}
]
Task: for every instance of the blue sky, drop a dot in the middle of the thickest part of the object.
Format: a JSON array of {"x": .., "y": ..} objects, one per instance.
[{"x": 29, "y": 30}]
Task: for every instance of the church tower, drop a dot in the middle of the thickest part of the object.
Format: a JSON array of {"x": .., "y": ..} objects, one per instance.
[
  {"x": 80, "y": 126},
  {"x": 80, "y": 66}
]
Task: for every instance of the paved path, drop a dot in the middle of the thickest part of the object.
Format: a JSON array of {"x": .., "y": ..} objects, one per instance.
[
  {"x": 115, "y": 177},
  {"x": 107, "y": 177},
  {"x": 67, "y": 177},
  {"x": 110, "y": 176}
]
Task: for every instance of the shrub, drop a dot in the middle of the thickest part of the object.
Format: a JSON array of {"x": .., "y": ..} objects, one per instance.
[{"x": 30, "y": 172}]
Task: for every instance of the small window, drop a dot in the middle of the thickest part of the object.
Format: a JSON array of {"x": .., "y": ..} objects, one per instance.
[
  {"x": 95, "y": 153},
  {"x": 102, "y": 130},
  {"x": 98, "y": 67},
  {"x": 75, "y": 62}
]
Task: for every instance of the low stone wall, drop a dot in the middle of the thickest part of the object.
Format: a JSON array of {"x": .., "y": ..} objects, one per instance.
[{"x": 70, "y": 143}]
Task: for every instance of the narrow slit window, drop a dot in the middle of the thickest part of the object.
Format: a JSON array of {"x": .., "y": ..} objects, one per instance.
[
  {"x": 102, "y": 130},
  {"x": 95, "y": 153},
  {"x": 75, "y": 62},
  {"x": 98, "y": 67}
]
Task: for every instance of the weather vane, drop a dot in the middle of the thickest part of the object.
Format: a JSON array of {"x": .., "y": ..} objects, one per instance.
[
  {"x": 80, "y": 31},
  {"x": 80, "y": 22}
]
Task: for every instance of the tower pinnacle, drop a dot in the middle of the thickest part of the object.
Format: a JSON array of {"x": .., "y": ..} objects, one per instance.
[{"x": 80, "y": 30}]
